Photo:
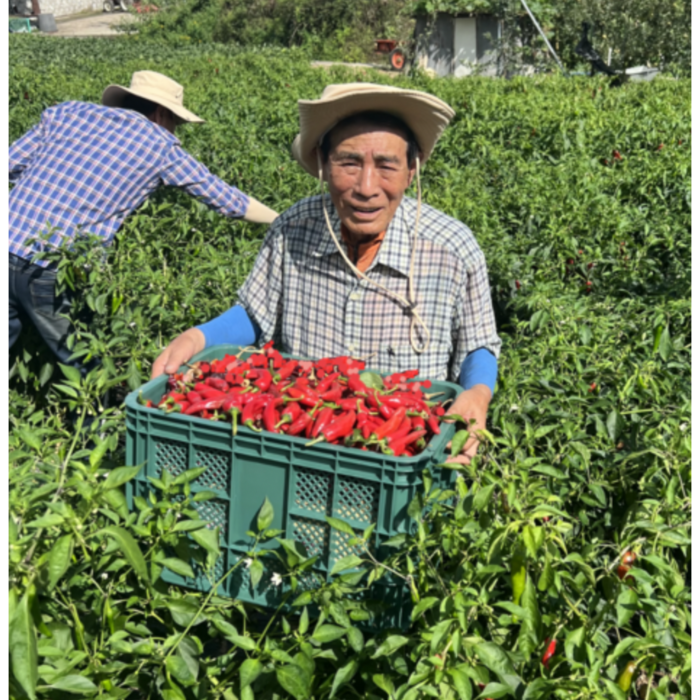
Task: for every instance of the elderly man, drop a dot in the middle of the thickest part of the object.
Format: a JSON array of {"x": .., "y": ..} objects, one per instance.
[
  {"x": 407, "y": 287},
  {"x": 85, "y": 168}
]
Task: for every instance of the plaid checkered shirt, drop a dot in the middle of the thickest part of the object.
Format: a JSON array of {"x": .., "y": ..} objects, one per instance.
[
  {"x": 303, "y": 295},
  {"x": 86, "y": 167}
]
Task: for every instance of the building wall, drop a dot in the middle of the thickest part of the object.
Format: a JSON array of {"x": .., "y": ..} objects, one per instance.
[
  {"x": 434, "y": 46},
  {"x": 458, "y": 46},
  {"x": 57, "y": 8}
]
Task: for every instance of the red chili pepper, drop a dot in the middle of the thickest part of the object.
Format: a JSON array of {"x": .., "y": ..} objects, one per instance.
[
  {"x": 398, "y": 446},
  {"x": 208, "y": 392},
  {"x": 434, "y": 425},
  {"x": 341, "y": 427},
  {"x": 270, "y": 415},
  {"x": 264, "y": 380},
  {"x": 325, "y": 384},
  {"x": 333, "y": 395},
  {"x": 325, "y": 416},
  {"x": 300, "y": 424},
  {"x": 207, "y": 405},
  {"x": 290, "y": 413},
  {"x": 251, "y": 409},
  {"x": 178, "y": 407},
  {"x": 391, "y": 425},
  {"x": 356, "y": 385},
  {"x": 551, "y": 648},
  {"x": 403, "y": 430},
  {"x": 418, "y": 422},
  {"x": 286, "y": 370},
  {"x": 220, "y": 384},
  {"x": 194, "y": 397}
]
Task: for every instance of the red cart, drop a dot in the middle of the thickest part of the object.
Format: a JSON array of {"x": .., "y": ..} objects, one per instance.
[{"x": 397, "y": 56}]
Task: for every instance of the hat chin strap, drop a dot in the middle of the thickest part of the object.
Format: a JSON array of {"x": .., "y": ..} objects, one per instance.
[{"x": 411, "y": 304}]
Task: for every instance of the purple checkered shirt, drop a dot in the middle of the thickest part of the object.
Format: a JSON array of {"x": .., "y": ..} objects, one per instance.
[{"x": 85, "y": 168}]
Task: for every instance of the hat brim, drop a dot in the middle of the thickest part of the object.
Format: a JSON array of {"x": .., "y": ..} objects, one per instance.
[
  {"x": 114, "y": 95},
  {"x": 425, "y": 115}
]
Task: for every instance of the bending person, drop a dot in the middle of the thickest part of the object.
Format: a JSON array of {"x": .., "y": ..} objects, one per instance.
[{"x": 86, "y": 167}]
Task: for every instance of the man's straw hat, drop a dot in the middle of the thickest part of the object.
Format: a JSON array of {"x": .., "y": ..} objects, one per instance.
[
  {"x": 424, "y": 114},
  {"x": 155, "y": 87}
]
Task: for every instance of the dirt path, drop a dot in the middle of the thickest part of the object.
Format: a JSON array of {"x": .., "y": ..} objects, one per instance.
[{"x": 97, "y": 24}]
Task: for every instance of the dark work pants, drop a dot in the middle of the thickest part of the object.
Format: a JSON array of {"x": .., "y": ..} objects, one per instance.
[{"x": 33, "y": 297}]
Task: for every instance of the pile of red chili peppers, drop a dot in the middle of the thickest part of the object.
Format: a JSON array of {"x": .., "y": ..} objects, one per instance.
[{"x": 325, "y": 400}]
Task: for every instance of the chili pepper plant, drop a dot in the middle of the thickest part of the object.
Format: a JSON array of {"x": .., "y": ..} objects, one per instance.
[{"x": 514, "y": 575}]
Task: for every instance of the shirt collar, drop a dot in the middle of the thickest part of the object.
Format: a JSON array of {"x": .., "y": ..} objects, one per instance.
[{"x": 395, "y": 251}]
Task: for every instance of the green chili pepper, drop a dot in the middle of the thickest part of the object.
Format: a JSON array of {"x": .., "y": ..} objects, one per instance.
[
  {"x": 518, "y": 573},
  {"x": 624, "y": 680}
]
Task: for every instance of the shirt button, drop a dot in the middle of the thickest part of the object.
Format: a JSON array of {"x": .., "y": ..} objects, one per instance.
[
  {"x": 355, "y": 296},
  {"x": 351, "y": 347}
]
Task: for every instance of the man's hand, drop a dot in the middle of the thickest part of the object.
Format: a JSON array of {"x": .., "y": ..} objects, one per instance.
[
  {"x": 180, "y": 350},
  {"x": 471, "y": 404}
]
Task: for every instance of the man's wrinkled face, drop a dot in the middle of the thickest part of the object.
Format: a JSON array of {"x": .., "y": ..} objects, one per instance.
[{"x": 367, "y": 173}]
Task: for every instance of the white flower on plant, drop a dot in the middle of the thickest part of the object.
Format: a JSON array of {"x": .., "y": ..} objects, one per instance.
[
  {"x": 682, "y": 427},
  {"x": 514, "y": 408},
  {"x": 276, "y": 579},
  {"x": 105, "y": 575},
  {"x": 248, "y": 562}
]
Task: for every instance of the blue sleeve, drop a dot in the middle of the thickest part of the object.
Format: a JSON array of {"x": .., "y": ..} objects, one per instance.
[
  {"x": 233, "y": 327},
  {"x": 479, "y": 367}
]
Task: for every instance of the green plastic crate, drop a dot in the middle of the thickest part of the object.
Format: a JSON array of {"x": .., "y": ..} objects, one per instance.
[{"x": 302, "y": 484}]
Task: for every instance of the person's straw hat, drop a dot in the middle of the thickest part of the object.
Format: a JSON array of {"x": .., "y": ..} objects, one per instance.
[
  {"x": 425, "y": 115},
  {"x": 154, "y": 87}
]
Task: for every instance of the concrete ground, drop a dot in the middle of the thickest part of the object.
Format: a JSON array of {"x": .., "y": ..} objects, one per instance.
[{"x": 94, "y": 24}]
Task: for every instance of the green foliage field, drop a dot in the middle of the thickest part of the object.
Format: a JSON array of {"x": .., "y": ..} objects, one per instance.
[{"x": 588, "y": 453}]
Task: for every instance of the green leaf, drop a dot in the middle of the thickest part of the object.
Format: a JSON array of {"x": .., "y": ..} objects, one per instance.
[
  {"x": 344, "y": 675},
  {"x": 529, "y": 603},
  {"x": 72, "y": 374},
  {"x": 50, "y": 520},
  {"x": 209, "y": 539},
  {"x": 203, "y": 496},
  {"x": 459, "y": 441},
  {"x": 497, "y": 661},
  {"x": 351, "y": 561},
  {"x": 372, "y": 380},
  {"x": 295, "y": 680},
  {"x": 75, "y": 684},
  {"x": 182, "y": 610},
  {"x": 188, "y": 525},
  {"x": 250, "y": 669},
  {"x": 178, "y": 566},
  {"x": 118, "y": 477},
  {"x": 340, "y": 525},
  {"x": 627, "y": 603},
  {"x": 390, "y": 645},
  {"x": 266, "y": 515},
  {"x": 30, "y": 438},
  {"x": 574, "y": 639},
  {"x": 615, "y": 425},
  {"x": 130, "y": 550},
  {"x": 256, "y": 572},
  {"x": 496, "y": 690},
  {"x": 22, "y": 647},
  {"x": 304, "y": 621},
  {"x": 423, "y": 605},
  {"x": 665, "y": 344},
  {"x": 483, "y": 497},
  {"x": 546, "y": 577},
  {"x": 461, "y": 682},
  {"x": 327, "y": 633},
  {"x": 356, "y": 640},
  {"x": 46, "y": 373},
  {"x": 60, "y": 559}
]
